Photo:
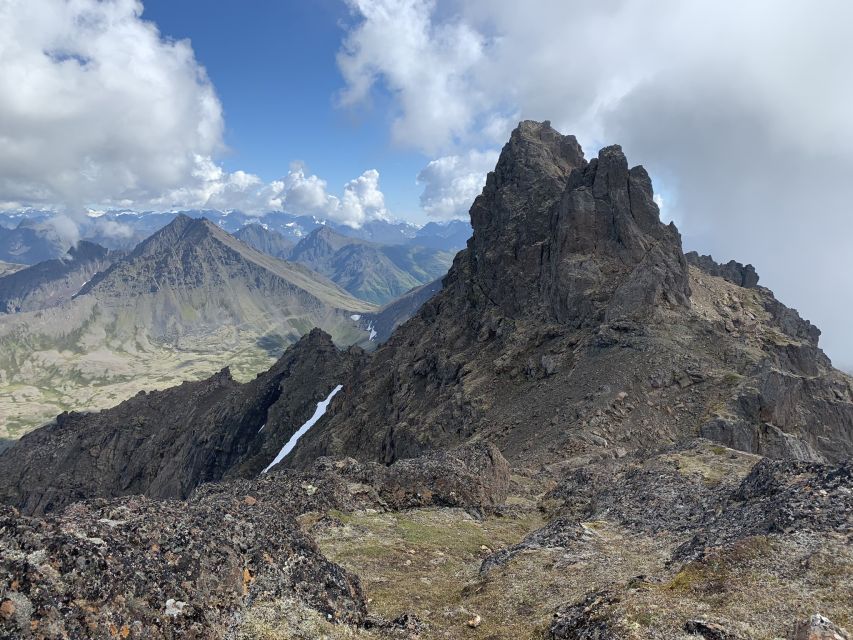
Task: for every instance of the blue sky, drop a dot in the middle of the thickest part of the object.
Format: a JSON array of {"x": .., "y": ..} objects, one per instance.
[{"x": 273, "y": 66}]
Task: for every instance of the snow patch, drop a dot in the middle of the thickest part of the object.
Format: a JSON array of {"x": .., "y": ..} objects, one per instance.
[
  {"x": 318, "y": 413},
  {"x": 83, "y": 287},
  {"x": 355, "y": 317},
  {"x": 372, "y": 331}
]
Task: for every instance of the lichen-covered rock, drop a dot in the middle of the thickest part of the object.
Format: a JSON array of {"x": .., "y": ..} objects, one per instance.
[
  {"x": 134, "y": 567},
  {"x": 708, "y": 630},
  {"x": 818, "y": 627},
  {"x": 586, "y": 620},
  {"x": 472, "y": 476},
  {"x": 777, "y": 497}
]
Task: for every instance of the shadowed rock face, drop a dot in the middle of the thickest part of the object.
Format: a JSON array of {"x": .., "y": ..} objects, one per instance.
[
  {"x": 735, "y": 272},
  {"x": 512, "y": 216},
  {"x": 165, "y": 443},
  {"x": 607, "y": 238}
]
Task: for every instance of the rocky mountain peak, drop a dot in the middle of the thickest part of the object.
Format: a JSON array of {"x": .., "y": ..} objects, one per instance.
[
  {"x": 607, "y": 238},
  {"x": 569, "y": 240},
  {"x": 511, "y": 217}
]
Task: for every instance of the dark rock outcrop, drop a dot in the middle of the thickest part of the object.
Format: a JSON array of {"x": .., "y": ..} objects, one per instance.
[
  {"x": 133, "y": 567},
  {"x": 708, "y": 630},
  {"x": 734, "y": 272},
  {"x": 610, "y": 256},
  {"x": 163, "y": 444},
  {"x": 585, "y": 620},
  {"x": 570, "y": 292},
  {"x": 471, "y": 477},
  {"x": 780, "y": 497}
]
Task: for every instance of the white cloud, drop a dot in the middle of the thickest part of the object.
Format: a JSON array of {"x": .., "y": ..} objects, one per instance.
[
  {"x": 740, "y": 112},
  {"x": 424, "y": 64},
  {"x": 452, "y": 182},
  {"x": 96, "y": 106},
  {"x": 360, "y": 201}
]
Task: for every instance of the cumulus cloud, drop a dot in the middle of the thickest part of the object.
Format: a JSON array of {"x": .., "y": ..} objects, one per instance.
[
  {"x": 361, "y": 199},
  {"x": 451, "y": 183},
  {"x": 424, "y": 64},
  {"x": 741, "y": 113},
  {"x": 96, "y": 106}
]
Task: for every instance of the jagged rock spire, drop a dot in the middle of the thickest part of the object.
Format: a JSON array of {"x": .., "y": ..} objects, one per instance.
[
  {"x": 511, "y": 217},
  {"x": 572, "y": 241},
  {"x": 610, "y": 255}
]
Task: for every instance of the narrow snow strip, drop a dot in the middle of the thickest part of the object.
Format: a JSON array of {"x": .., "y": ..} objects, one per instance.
[
  {"x": 318, "y": 413},
  {"x": 81, "y": 288},
  {"x": 262, "y": 427}
]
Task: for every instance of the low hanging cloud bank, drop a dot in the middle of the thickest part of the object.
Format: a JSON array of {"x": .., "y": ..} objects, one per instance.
[{"x": 740, "y": 113}]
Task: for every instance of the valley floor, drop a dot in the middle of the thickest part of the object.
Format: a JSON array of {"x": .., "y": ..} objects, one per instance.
[{"x": 53, "y": 382}]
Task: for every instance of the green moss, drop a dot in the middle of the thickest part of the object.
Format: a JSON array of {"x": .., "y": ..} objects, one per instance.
[{"x": 732, "y": 378}]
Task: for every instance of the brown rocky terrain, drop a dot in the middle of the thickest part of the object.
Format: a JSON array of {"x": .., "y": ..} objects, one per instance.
[{"x": 584, "y": 434}]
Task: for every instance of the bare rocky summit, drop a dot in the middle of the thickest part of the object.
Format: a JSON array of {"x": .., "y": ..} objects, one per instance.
[{"x": 573, "y": 324}]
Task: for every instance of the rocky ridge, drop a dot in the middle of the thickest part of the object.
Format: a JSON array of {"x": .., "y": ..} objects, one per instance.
[
  {"x": 574, "y": 324},
  {"x": 54, "y": 281}
]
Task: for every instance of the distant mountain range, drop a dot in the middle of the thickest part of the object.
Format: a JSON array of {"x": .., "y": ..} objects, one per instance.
[
  {"x": 186, "y": 301},
  {"x": 164, "y": 297},
  {"x": 370, "y": 271},
  {"x": 265, "y": 240},
  {"x": 124, "y": 229}
]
